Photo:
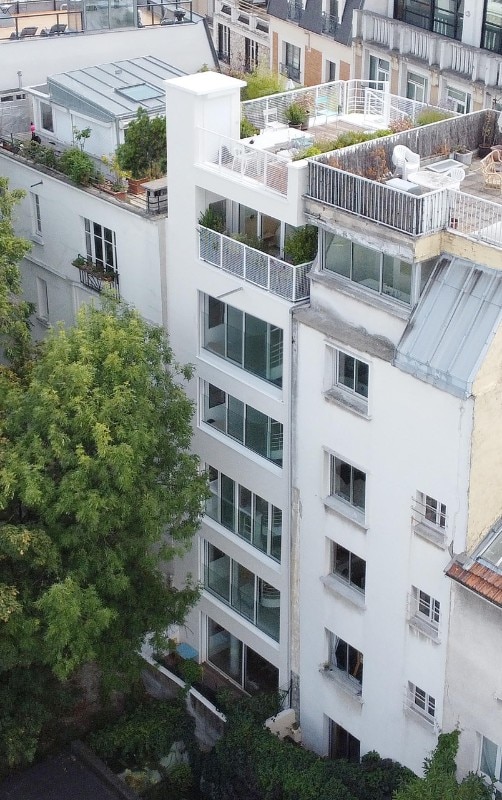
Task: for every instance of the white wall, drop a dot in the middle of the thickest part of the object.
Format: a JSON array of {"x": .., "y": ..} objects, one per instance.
[
  {"x": 184, "y": 46},
  {"x": 414, "y": 439},
  {"x": 63, "y": 207}
]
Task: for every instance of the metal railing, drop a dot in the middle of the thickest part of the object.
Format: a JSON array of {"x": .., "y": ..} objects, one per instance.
[
  {"x": 476, "y": 218},
  {"x": 95, "y": 278},
  {"x": 245, "y": 161},
  {"x": 411, "y": 214},
  {"x": 276, "y": 276}
]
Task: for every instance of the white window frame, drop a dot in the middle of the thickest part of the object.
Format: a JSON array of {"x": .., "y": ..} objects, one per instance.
[
  {"x": 458, "y": 100},
  {"x": 49, "y": 112},
  {"x": 42, "y": 300},
  {"x": 422, "y": 703},
  {"x": 37, "y": 216},
  {"x": 497, "y": 781},
  {"x": 424, "y": 613},
  {"x": 333, "y": 642},
  {"x": 333, "y": 459},
  {"x": 108, "y": 261},
  {"x": 419, "y": 85},
  {"x": 336, "y": 374},
  {"x": 381, "y": 72},
  {"x": 338, "y": 575}
]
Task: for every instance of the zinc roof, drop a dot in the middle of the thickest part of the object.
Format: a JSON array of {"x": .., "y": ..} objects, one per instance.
[{"x": 452, "y": 325}]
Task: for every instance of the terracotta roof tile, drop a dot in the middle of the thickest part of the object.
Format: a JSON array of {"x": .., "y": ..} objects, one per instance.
[{"x": 480, "y": 579}]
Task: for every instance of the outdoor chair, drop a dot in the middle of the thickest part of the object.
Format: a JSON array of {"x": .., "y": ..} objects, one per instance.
[
  {"x": 492, "y": 178},
  {"x": 406, "y": 161},
  {"x": 271, "y": 121},
  {"x": 30, "y": 31},
  {"x": 457, "y": 174}
]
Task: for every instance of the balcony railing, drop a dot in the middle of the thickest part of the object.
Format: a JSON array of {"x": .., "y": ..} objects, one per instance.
[
  {"x": 276, "y": 276},
  {"x": 329, "y": 24},
  {"x": 245, "y": 161},
  {"x": 95, "y": 277}
]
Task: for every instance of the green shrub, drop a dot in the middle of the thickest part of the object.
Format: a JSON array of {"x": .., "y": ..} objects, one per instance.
[
  {"x": 181, "y": 779},
  {"x": 146, "y": 733},
  {"x": 213, "y": 220},
  {"x": 429, "y": 115},
  {"x": 78, "y": 166},
  {"x": 248, "y": 129},
  {"x": 251, "y": 240},
  {"x": 301, "y": 245},
  {"x": 261, "y": 83},
  {"x": 144, "y": 151},
  {"x": 309, "y": 152}
]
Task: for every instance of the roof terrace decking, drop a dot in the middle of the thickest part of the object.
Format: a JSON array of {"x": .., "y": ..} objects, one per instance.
[{"x": 338, "y": 180}]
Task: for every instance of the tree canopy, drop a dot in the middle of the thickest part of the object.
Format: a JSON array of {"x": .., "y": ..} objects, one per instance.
[
  {"x": 143, "y": 152},
  {"x": 98, "y": 491}
]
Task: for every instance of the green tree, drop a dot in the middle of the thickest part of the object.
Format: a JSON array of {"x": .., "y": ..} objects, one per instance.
[
  {"x": 144, "y": 151},
  {"x": 15, "y": 340},
  {"x": 439, "y": 782},
  {"x": 97, "y": 492}
]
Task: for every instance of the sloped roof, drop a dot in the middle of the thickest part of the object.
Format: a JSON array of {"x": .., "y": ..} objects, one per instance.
[
  {"x": 482, "y": 572},
  {"x": 115, "y": 90},
  {"x": 452, "y": 325}
]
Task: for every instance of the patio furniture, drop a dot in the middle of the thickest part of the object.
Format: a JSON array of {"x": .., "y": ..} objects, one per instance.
[
  {"x": 57, "y": 29},
  {"x": 406, "y": 161},
  {"x": 457, "y": 175},
  {"x": 271, "y": 121},
  {"x": 493, "y": 178},
  {"x": 30, "y": 31},
  {"x": 445, "y": 165},
  {"x": 437, "y": 180}
]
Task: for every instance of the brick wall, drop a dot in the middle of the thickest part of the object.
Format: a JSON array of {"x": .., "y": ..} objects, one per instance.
[{"x": 313, "y": 67}]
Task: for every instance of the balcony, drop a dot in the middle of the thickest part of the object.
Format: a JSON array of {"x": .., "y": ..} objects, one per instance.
[
  {"x": 433, "y": 48},
  {"x": 270, "y": 273},
  {"x": 96, "y": 277},
  {"x": 243, "y": 14},
  {"x": 344, "y": 180}
]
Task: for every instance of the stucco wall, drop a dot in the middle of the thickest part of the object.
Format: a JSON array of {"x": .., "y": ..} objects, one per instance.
[{"x": 485, "y": 488}]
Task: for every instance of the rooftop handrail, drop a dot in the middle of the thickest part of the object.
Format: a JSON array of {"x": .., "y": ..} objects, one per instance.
[
  {"x": 262, "y": 269},
  {"x": 244, "y": 160}
]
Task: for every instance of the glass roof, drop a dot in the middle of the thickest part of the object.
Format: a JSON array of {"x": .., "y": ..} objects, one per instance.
[
  {"x": 140, "y": 91},
  {"x": 493, "y": 553}
]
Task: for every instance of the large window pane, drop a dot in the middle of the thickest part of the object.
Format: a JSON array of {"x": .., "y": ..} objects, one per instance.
[
  {"x": 212, "y": 503},
  {"x": 256, "y": 431},
  {"x": 235, "y": 418},
  {"x": 243, "y": 591},
  {"x": 337, "y": 254},
  {"x": 269, "y": 609},
  {"x": 255, "y": 346},
  {"x": 366, "y": 267},
  {"x": 276, "y": 533},
  {"x": 260, "y": 531},
  {"x": 224, "y": 651},
  {"x": 488, "y": 758},
  {"x": 397, "y": 279},
  {"x": 234, "y": 335},
  {"x": 218, "y": 572},
  {"x": 245, "y": 513},
  {"x": 260, "y": 674},
  {"x": 214, "y": 326},
  {"x": 227, "y": 502}
]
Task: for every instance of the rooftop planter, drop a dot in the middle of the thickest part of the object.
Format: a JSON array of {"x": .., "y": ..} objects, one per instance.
[{"x": 94, "y": 276}]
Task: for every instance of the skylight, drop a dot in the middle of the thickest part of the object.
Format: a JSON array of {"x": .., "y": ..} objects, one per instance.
[
  {"x": 493, "y": 553},
  {"x": 140, "y": 91}
]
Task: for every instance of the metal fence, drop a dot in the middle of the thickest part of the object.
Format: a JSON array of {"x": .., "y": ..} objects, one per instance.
[
  {"x": 276, "y": 276},
  {"x": 245, "y": 161},
  {"x": 476, "y": 218}
]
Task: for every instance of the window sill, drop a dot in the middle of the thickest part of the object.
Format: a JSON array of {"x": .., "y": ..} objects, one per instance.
[
  {"x": 425, "y": 628},
  {"x": 362, "y": 293},
  {"x": 431, "y": 534},
  {"x": 235, "y": 444},
  {"x": 338, "y": 587},
  {"x": 419, "y": 716},
  {"x": 43, "y": 321},
  {"x": 351, "y": 687},
  {"x": 351, "y": 402},
  {"x": 346, "y": 511},
  {"x": 37, "y": 238}
]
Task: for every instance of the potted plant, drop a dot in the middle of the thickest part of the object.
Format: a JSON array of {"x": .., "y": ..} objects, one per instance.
[
  {"x": 117, "y": 185},
  {"x": 80, "y": 262},
  {"x": 301, "y": 245},
  {"x": 297, "y": 114},
  {"x": 463, "y": 155},
  {"x": 487, "y": 133},
  {"x": 143, "y": 154}
]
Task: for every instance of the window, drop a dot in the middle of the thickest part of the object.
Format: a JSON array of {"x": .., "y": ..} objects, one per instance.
[
  {"x": 46, "y": 120},
  {"x": 261, "y": 434},
  {"x": 441, "y": 16},
  {"x": 347, "y": 483},
  {"x": 238, "y": 662},
  {"x": 425, "y": 611},
  {"x": 348, "y": 567},
  {"x": 250, "y": 596},
  {"x": 291, "y": 65},
  {"x": 379, "y": 71},
  {"x": 42, "y": 300},
  {"x": 372, "y": 269},
  {"x": 247, "y": 341},
  {"x": 491, "y": 38},
  {"x": 345, "y": 658},
  {"x": 245, "y": 513},
  {"x": 37, "y": 216},
  {"x": 416, "y": 87},
  {"x": 458, "y": 101},
  {"x": 224, "y": 43},
  {"x": 490, "y": 762},
  {"x": 330, "y": 71},
  {"x": 250, "y": 54},
  {"x": 342, "y": 744},
  {"x": 432, "y": 510},
  {"x": 421, "y": 702},
  {"x": 351, "y": 374},
  {"x": 100, "y": 246}
]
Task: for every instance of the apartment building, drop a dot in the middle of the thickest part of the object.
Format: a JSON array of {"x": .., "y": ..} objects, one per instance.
[
  {"x": 306, "y": 43},
  {"x": 443, "y": 53},
  {"x": 474, "y": 648}
]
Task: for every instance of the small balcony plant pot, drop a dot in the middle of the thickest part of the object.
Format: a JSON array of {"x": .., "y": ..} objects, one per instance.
[
  {"x": 134, "y": 185},
  {"x": 464, "y": 156},
  {"x": 483, "y": 150}
]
